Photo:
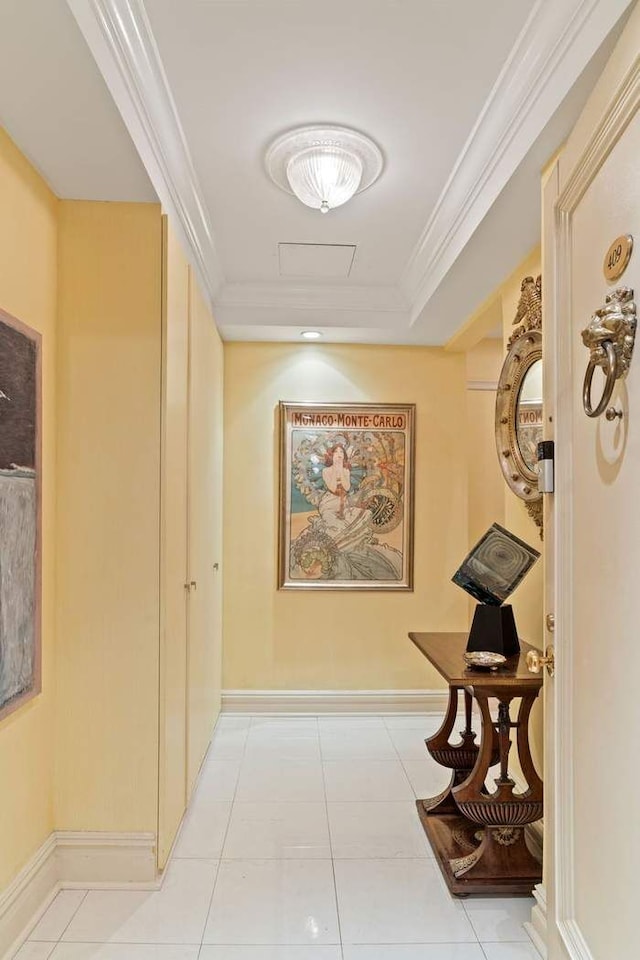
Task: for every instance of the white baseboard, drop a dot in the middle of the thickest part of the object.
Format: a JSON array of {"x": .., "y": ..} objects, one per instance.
[
  {"x": 335, "y": 702},
  {"x": 26, "y": 898},
  {"x": 103, "y": 860},
  {"x": 88, "y": 861},
  {"x": 537, "y": 928}
]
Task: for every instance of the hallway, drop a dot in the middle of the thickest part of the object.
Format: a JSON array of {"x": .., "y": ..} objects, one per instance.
[{"x": 301, "y": 843}]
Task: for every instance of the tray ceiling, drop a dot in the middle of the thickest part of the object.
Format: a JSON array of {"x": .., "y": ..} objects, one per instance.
[{"x": 466, "y": 100}]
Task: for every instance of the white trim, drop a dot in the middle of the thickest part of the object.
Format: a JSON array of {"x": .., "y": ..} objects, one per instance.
[
  {"x": 120, "y": 38},
  {"x": 555, "y": 44},
  {"x": 490, "y": 385},
  {"x": 66, "y": 860},
  {"x": 26, "y": 898},
  {"x": 537, "y": 928},
  {"x": 104, "y": 860},
  {"x": 289, "y": 702},
  {"x": 615, "y": 116},
  {"x": 381, "y": 310},
  {"x": 383, "y": 299}
]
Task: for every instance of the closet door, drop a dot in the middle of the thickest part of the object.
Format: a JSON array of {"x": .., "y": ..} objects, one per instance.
[
  {"x": 205, "y": 531},
  {"x": 174, "y": 583}
]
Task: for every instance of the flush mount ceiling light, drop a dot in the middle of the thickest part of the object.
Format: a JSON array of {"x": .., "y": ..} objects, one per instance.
[
  {"x": 324, "y": 166},
  {"x": 311, "y": 334}
]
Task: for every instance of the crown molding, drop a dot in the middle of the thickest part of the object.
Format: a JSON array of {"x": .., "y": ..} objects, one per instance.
[
  {"x": 121, "y": 40},
  {"x": 387, "y": 299},
  {"x": 241, "y": 307},
  {"x": 554, "y": 46}
]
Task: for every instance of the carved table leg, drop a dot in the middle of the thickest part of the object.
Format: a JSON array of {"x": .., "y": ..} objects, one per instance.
[
  {"x": 460, "y": 757},
  {"x": 502, "y": 857}
]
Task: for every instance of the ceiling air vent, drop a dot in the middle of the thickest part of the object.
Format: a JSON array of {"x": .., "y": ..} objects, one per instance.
[{"x": 316, "y": 260}]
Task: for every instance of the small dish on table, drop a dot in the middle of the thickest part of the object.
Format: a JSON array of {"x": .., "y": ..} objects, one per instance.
[{"x": 483, "y": 659}]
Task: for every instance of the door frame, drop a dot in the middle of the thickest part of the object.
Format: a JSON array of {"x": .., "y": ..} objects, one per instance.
[{"x": 579, "y": 166}]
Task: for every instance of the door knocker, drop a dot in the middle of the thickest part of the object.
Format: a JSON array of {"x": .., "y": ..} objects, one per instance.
[{"x": 610, "y": 337}]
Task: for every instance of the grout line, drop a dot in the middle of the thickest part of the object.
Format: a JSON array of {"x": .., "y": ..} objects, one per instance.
[
  {"x": 333, "y": 864},
  {"x": 224, "y": 840},
  {"x": 68, "y": 924}
]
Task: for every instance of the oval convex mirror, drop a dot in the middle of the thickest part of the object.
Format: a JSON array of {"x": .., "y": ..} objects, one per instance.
[
  {"x": 529, "y": 415},
  {"x": 519, "y": 423}
]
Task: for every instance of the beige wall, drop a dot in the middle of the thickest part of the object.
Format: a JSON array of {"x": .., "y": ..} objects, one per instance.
[
  {"x": 301, "y": 639},
  {"x": 28, "y": 242},
  {"x": 84, "y": 754},
  {"x": 486, "y": 484},
  {"x": 109, "y": 357}
]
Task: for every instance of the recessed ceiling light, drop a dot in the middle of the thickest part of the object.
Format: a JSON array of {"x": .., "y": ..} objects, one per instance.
[{"x": 311, "y": 334}]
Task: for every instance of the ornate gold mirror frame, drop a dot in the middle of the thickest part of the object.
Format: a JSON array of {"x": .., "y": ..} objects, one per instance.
[{"x": 519, "y": 424}]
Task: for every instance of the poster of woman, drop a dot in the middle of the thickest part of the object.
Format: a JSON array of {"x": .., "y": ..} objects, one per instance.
[{"x": 346, "y": 496}]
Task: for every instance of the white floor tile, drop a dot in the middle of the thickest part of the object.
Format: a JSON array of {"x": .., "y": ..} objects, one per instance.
[
  {"x": 328, "y": 723},
  {"x": 278, "y": 830},
  {"x": 285, "y": 725},
  {"x": 279, "y": 779},
  {"x": 54, "y": 921},
  {"x": 360, "y": 744},
  {"x": 273, "y": 745},
  {"x": 228, "y": 721},
  {"x": 271, "y": 953},
  {"x": 376, "y": 830},
  {"x": 427, "y": 778},
  {"x": 228, "y": 745},
  {"x": 397, "y": 901},
  {"x": 368, "y": 780},
  {"x": 273, "y": 902},
  {"x": 218, "y": 779},
  {"x": 203, "y": 830},
  {"x": 174, "y": 914},
  {"x": 32, "y": 950},
  {"x": 496, "y": 918},
  {"x": 410, "y": 744},
  {"x": 510, "y": 951},
  {"x": 124, "y": 951},
  {"x": 415, "y": 951},
  {"x": 418, "y": 721}
]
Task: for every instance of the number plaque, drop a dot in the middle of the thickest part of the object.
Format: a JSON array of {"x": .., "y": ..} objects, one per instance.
[{"x": 617, "y": 257}]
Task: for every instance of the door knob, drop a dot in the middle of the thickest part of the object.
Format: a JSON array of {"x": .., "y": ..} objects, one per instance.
[{"x": 535, "y": 661}]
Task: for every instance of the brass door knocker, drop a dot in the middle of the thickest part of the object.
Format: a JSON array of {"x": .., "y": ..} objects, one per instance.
[{"x": 610, "y": 337}]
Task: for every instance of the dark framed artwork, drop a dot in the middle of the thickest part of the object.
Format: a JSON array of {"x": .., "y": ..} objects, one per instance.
[
  {"x": 20, "y": 513},
  {"x": 346, "y": 496}
]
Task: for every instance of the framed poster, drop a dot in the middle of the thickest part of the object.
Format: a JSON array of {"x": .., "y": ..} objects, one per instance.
[
  {"x": 346, "y": 496},
  {"x": 19, "y": 513}
]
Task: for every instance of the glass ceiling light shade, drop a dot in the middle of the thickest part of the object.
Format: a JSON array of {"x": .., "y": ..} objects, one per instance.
[
  {"x": 324, "y": 177},
  {"x": 324, "y": 166}
]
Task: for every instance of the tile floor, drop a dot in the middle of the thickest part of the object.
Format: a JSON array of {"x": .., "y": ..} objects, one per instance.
[{"x": 302, "y": 843}]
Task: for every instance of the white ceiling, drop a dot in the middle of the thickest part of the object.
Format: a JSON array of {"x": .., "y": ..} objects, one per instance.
[
  {"x": 57, "y": 108},
  {"x": 243, "y": 73},
  {"x": 467, "y": 101}
]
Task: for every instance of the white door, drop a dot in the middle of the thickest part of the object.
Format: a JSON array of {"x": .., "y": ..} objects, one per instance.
[{"x": 592, "y": 826}]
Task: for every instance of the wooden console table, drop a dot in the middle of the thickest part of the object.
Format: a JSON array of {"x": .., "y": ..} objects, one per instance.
[{"x": 477, "y": 835}]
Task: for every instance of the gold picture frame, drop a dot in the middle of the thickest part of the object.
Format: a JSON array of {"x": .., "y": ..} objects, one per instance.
[{"x": 346, "y": 496}]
